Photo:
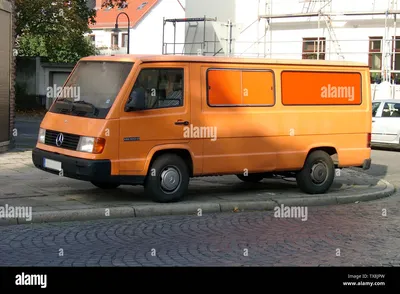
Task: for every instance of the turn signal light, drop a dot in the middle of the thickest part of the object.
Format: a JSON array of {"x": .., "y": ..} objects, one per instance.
[{"x": 98, "y": 146}]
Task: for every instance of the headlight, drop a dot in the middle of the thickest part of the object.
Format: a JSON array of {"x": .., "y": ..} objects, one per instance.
[
  {"x": 86, "y": 144},
  {"x": 42, "y": 135},
  {"x": 91, "y": 145}
]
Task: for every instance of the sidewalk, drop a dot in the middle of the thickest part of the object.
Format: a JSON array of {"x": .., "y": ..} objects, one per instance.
[{"x": 55, "y": 198}]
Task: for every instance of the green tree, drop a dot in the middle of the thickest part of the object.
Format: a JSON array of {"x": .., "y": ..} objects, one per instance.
[
  {"x": 54, "y": 29},
  {"x": 114, "y": 3}
]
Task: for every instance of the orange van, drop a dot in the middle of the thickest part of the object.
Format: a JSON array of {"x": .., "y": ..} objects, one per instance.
[{"x": 158, "y": 121}]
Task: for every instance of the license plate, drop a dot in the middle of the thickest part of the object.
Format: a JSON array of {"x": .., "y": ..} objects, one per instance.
[{"x": 52, "y": 164}]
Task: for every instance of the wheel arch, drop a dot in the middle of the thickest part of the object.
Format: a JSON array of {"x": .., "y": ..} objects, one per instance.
[
  {"x": 181, "y": 151},
  {"x": 332, "y": 152}
]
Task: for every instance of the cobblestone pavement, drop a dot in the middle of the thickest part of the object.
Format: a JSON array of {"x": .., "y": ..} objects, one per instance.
[
  {"x": 365, "y": 234},
  {"x": 356, "y": 234}
]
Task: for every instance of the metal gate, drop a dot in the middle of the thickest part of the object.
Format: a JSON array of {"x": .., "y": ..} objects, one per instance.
[{"x": 5, "y": 70}]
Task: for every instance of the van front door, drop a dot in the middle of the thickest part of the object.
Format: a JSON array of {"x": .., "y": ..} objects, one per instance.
[{"x": 165, "y": 113}]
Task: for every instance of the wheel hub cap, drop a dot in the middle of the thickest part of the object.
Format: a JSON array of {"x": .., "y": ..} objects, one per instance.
[
  {"x": 319, "y": 173},
  {"x": 170, "y": 179}
]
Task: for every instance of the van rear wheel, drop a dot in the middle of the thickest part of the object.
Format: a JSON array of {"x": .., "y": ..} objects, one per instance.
[
  {"x": 167, "y": 179},
  {"x": 105, "y": 185},
  {"x": 318, "y": 173}
]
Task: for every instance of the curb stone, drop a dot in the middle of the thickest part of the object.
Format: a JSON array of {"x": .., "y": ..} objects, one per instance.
[
  {"x": 308, "y": 201},
  {"x": 229, "y": 206},
  {"x": 388, "y": 191},
  {"x": 191, "y": 208},
  {"x": 8, "y": 221},
  {"x": 176, "y": 209},
  {"x": 79, "y": 215}
]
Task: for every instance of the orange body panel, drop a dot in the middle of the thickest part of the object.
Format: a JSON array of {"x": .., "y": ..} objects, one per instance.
[{"x": 238, "y": 121}]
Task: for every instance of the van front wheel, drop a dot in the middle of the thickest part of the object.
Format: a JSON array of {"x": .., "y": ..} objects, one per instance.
[
  {"x": 168, "y": 179},
  {"x": 318, "y": 173}
]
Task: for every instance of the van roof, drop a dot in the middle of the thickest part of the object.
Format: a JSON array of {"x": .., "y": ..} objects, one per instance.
[{"x": 210, "y": 59}]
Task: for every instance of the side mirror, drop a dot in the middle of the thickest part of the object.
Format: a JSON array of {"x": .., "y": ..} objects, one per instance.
[{"x": 136, "y": 100}]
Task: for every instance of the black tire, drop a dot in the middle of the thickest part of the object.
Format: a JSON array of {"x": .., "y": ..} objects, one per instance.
[
  {"x": 251, "y": 178},
  {"x": 159, "y": 185},
  {"x": 318, "y": 173},
  {"x": 105, "y": 185}
]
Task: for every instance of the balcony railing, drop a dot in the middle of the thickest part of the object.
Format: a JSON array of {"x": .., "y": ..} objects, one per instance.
[{"x": 111, "y": 51}]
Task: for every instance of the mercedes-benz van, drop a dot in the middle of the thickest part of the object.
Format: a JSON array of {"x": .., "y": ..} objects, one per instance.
[{"x": 158, "y": 121}]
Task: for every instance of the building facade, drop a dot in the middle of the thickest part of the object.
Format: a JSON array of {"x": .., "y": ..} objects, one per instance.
[
  {"x": 146, "y": 26},
  {"x": 362, "y": 31},
  {"x": 7, "y": 74}
]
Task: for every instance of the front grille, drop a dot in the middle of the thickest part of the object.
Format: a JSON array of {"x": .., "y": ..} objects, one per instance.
[{"x": 70, "y": 141}]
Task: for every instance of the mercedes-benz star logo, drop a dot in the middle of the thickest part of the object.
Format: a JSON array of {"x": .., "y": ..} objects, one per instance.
[{"x": 59, "y": 139}]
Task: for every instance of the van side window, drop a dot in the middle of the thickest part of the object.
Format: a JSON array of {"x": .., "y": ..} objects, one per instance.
[
  {"x": 375, "y": 106},
  {"x": 391, "y": 110},
  {"x": 240, "y": 87},
  {"x": 163, "y": 87}
]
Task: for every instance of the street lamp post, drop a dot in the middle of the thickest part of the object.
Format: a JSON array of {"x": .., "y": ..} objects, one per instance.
[{"x": 117, "y": 30}]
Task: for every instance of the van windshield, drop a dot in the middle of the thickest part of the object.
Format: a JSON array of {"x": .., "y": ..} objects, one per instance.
[{"x": 91, "y": 89}]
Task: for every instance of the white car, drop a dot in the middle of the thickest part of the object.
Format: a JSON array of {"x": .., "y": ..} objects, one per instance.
[{"x": 386, "y": 123}]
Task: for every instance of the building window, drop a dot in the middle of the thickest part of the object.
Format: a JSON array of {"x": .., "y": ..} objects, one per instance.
[
  {"x": 314, "y": 48},
  {"x": 114, "y": 41},
  {"x": 375, "y": 58},
  {"x": 124, "y": 40},
  {"x": 395, "y": 61},
  {"x": 92, "y": 39}
]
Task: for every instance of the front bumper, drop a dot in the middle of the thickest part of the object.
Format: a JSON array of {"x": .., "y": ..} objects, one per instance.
[
  {"x": 82, "y": 169},
  {"x": 367, "y": 164}
]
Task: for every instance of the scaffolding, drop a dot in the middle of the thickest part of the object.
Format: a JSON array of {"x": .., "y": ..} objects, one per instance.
[
  {"x": 319, "y": 13},
  {"x": 307, "y": 11},
  {"x": 192, "y": 27},
  {"x": 324, "y": 15}
]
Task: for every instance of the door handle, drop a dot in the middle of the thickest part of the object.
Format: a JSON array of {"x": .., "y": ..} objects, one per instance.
[
  {"x": 181, "y": 122},
  {"x": 373, "y": 121}
]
